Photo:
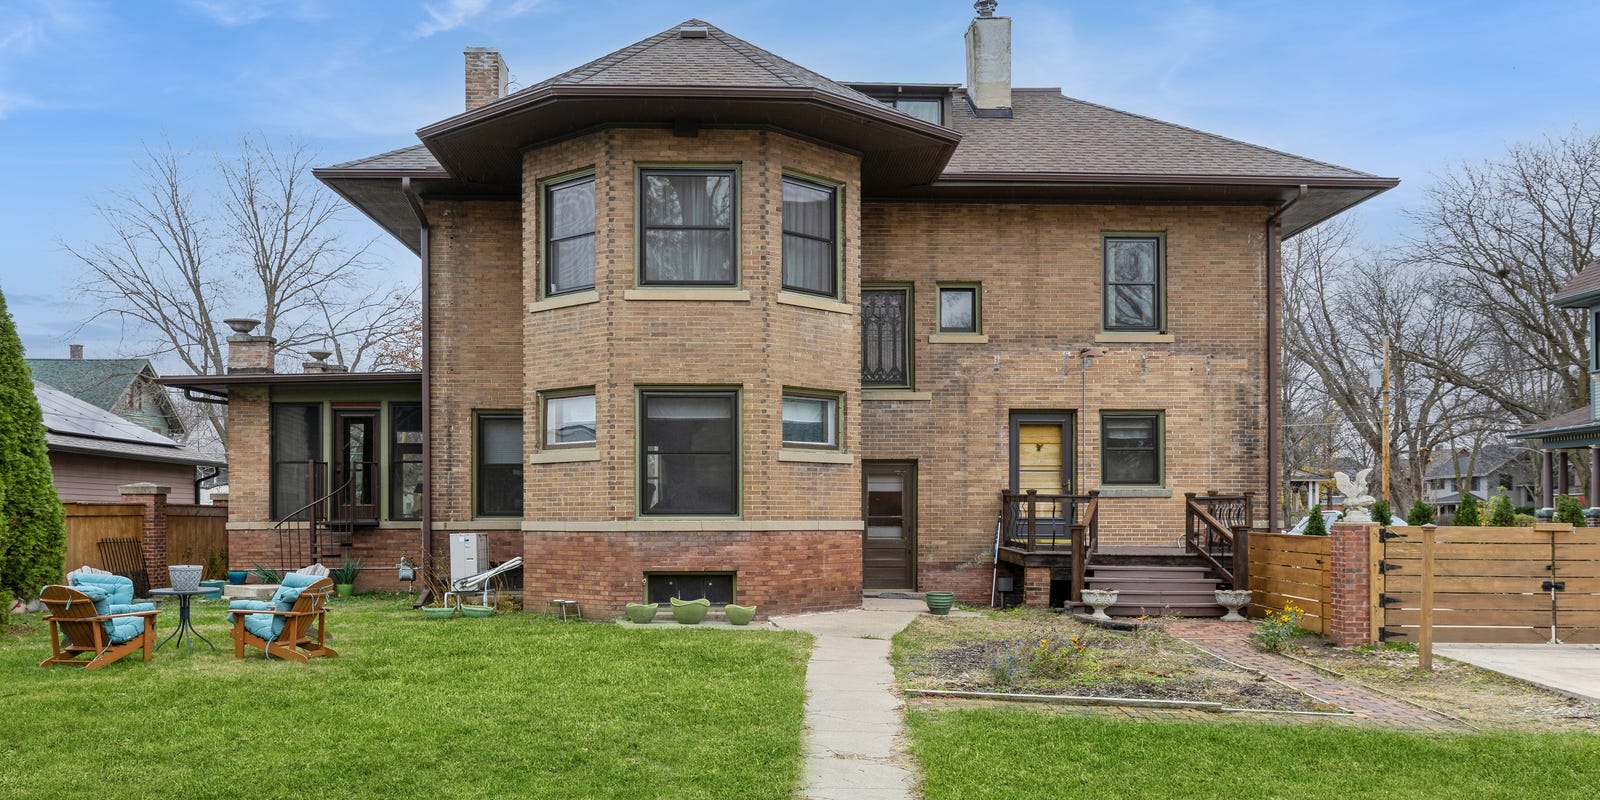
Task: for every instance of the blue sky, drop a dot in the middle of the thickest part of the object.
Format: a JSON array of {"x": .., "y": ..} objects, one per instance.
[{"x": 1399, "y": 89}]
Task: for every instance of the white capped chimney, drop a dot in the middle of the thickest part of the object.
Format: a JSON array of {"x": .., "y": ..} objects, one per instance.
[
  {"x": 989, "y": 62},
  {"x": 487, "y": 76}
]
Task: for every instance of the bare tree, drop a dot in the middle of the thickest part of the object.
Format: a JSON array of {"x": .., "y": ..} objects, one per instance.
[{"x": 264, "y": 242}]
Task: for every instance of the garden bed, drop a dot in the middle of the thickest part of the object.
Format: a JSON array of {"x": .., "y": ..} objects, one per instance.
[{"x": 1028, "y": 651}]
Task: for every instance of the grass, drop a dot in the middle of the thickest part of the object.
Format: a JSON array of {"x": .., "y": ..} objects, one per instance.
[
  {"x": 978, "y": 753},
  {"x": 514, "y": 706}
]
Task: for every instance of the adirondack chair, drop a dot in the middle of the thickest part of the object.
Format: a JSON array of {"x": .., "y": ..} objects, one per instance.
[
  {"x": 85, "y": 620},
  {"x": 291, "y": 625}
]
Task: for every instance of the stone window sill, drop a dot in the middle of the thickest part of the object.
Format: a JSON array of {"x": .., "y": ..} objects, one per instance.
[
  {"x": 813, "y": 301},
  {"x": 896, "y": 394},
  {"x": 565, "y": 301},
  {"x": 815, "y": 456},
  {"x": 1135, "y": 491},
  {"x": 655, "y": 525},
  {"x": 1129, "y": 337},
  {"x": 565, "y": 456},
  {"x": 958, "y": 338},
  {"x": 725, "y": 295}
]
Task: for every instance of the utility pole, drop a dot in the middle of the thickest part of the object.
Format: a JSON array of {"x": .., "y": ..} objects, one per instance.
[{"x": 1386, "y": 416}]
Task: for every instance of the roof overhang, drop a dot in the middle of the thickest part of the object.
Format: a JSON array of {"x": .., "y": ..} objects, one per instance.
[
  {"x": 485, "y": 145},
  {"x": 131, "y": 451},
  {"x": 218, "y": 385},
  {"x": 1580, "y": 300},
  {"x": 1325, "y": 197},
  {"x": 377, "y": 194}
]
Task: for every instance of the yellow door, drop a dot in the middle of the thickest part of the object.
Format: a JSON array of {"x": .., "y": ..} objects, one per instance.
[{"x": 1039, "y": 453}]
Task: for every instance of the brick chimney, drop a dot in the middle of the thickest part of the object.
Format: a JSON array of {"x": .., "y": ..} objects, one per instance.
[
  {"x": 319, "y": 363},
  {"x": 989, "y": 62},
  {"x": 487, "y": 76},
  {"x": 248, "y": 354},
  {"x": 75, "y": 351}
]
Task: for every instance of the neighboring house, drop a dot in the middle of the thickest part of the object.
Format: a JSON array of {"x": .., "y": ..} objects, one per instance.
[
  {"x": 1578, "y": 429},
  {"x": 699, "y": 319},
  {"x": 1496, "y": 470},
  {"x": 124, "y": 386},
  {"x": 93, "y": 451}
]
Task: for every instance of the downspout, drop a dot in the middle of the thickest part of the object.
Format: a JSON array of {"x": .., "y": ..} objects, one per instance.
[
  {"x": 427, "y": 379},
  {"x": 1274, "y": 365}
]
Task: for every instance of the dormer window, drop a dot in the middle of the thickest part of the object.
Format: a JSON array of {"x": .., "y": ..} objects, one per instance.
[{"x": 927, "y": 109}]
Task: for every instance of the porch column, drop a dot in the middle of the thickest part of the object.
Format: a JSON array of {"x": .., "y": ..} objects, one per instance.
[
  {"x": 1594, "y": 477},
  {"x": 154, "y": 538},
  {"x": 1546, "y": 480},
  {"x": 1563, "y": 488}
]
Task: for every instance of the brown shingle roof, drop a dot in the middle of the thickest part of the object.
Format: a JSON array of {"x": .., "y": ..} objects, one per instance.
[
  {"x": 1576, "y": 418},
  {"x": 1049, "y": 133},
  {"x": 1586, "y": 282},
  {"x": 415, "y": 158}
]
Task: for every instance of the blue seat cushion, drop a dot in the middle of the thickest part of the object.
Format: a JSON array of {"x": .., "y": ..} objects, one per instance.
[
  {"x": 295, "y": 580},
  {"x": 119, "y": 587},
  {"x": 261, "y": 626},
  {"x": 117, "y": 630},
  {"x": 125, "y": 629}
]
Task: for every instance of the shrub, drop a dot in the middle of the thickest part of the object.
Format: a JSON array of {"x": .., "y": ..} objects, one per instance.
[
  {"x": 33, "y": 532},
  {"x": 1524, "y": 520},
  {"x": 1420, "y": 514},
  {"x": 1501, "y": 514},
  {"x": 1382, "y": 513},
  {"x": 1314, "y": 524},
  {"x": 1569, "y": 510},
  {"x": 1467, "y": 511},
  {"x": 1273, "y": 632}
]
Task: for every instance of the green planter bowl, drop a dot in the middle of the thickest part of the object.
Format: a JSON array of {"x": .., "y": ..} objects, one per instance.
[
  {"x": 939, "y": 603},
  {"x": 476, "y": 612},
  {"x": 690, "y": 612},
  {"x": 739, "y": 615},
  {"x": 438, "y": 612},
  {"x": 643, "y": 613}
]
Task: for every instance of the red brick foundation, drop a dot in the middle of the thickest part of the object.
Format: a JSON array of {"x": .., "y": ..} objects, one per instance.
[
  {"x": 1349, "y": 611},
  {"x": 379, "y": 551},
  {"x": 783, "y": 572},
  {"x": 969, "y": 581}
]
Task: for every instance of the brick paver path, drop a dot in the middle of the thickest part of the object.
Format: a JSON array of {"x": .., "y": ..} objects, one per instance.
[{"x": 1229, "y": 641}]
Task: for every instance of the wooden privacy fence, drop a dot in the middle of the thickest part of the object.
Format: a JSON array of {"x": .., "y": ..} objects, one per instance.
[
  {"x": 1487, "y": 584},
  {"x": 1288, "y": 569},
  {"x": 90, "y": 524},
  {"x": 194, "y": 533}
]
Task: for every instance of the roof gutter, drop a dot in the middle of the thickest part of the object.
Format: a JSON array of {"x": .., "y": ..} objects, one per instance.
[
  {"x": 1274, "y": 240},
  {"x": 427, "y": 372}
]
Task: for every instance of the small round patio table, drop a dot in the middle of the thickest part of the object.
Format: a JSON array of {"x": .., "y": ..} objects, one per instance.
[{"x": 185, "y": 630}]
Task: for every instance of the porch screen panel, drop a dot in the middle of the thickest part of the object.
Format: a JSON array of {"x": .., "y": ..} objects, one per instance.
[
  {"x": 405, "y": 461},
  {"x": 885, "y": 324},
  {"x": 296, "y": 442}
]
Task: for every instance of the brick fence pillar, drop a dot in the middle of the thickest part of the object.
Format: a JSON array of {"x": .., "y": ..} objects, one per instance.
[
  {"x": 1348, "y": 612},
  {"x": 1036, "y": 586},
  {"x": 154, "y": 500}
]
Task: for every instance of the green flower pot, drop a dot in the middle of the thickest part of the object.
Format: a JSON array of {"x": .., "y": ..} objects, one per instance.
[
  {"x": 477, "y": 612},
  {"x": 438, "y": 612},
  {"x": 939, "y": 603},
  {"x": 739, "y": 615},
  {"x": 690, "y": 612},
  {"x": 344, "y": 589},
  {"x": 643, "y": 613}
]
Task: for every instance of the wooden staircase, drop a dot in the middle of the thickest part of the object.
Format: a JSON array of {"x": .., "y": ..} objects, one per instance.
[{"x": 1156, "y": 582}]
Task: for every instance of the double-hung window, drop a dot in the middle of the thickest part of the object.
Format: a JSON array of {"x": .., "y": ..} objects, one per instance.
[
  {"x": 1130, "y": 449},
  {"x": 1133, "y": 291},
  {"x": 810, "y": 236},
  {"x": 886, "y": 337},
  {"x": 499, "y": 452},
  {"x": 687, "y": 218},
  {"x": 569, "y": 235},
  {"x": 689, "y": 453}
]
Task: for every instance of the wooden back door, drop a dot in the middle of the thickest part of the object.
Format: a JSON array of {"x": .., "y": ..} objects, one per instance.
[{"x": 889, "y": 543}]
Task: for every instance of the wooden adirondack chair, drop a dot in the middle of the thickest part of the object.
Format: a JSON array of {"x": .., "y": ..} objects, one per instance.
[
  {"x": 301, "y": 638},
  {"x": 77, "y": 628}
]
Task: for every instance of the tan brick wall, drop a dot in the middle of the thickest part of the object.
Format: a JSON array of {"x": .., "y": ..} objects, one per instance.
[
  {"x": 1040, "y": 266},
  {"x": 249, "y": 454}
]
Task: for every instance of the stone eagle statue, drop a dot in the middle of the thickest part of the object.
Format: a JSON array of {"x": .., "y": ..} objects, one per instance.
[{"x": 1356, "y": 499}]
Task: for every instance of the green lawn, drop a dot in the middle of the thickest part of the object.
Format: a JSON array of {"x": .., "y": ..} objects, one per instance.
[
  {"x": 513, "y": 706},
  {"x": 1024, "y": 753}
]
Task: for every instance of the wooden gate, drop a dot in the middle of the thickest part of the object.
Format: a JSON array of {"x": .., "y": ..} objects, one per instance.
[
  {"x": 1516, "y": 585},
  {"x": 196, "y": 533},
  {"x": 1290, "y": 570}
]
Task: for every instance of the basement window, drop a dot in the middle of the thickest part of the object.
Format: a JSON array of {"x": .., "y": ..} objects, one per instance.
[{"x": 661, "y": 587}]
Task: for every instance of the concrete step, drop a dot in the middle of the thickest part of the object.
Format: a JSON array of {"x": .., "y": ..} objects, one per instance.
[
  {"x": 1154, "y": 587},
  {"x": 1165, "y": 610},
  {"x": 1201, "y": 598}
]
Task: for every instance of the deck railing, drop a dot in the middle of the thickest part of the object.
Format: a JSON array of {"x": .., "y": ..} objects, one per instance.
[
  {"x": 1216, "y": 527},
  {"x": 301, "y": 534},
  {"x": 1053, "y": 523}
]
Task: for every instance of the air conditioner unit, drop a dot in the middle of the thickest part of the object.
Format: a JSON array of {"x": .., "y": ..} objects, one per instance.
[{"x": 469, "y": 555}]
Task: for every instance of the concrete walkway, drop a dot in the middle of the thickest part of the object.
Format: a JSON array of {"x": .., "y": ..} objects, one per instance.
[
  {"x": 854, "y": 745},
  {"x": 1571, "y": 669}
]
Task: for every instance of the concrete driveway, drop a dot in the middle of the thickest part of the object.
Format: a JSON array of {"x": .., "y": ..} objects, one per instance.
[{"x": 1571, "y": 669}]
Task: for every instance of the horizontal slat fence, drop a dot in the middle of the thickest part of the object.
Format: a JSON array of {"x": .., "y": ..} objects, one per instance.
[
  {"x": 194, "y": 533},
  {"x": 89, "y": 524},
  {"x": 1489, "y": 584},
  {"x": 1288, "y": 569}
]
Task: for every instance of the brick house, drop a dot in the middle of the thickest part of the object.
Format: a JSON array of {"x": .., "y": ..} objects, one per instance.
[{"x": 699, "y": 319}]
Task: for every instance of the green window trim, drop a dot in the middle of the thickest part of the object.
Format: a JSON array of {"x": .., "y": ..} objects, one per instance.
[
  {"x": 962, "y": 287},
  {"x": 834, "y": 238},
  {"x": 1110, "y": 453},
  {"x": 544, "y": 418},
  {"x": 546, "y": 187},
  {"x": 507, "y": 505},
  {"x": 643, "y": 171},
  {"x": 833, "y": 419},
  {"x": 1155, "y": 285}
]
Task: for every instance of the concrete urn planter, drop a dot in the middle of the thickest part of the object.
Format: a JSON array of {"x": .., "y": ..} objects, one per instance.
[
  {"x": 1233, "y": 600},
  {"x": 1100, "y": 600}
]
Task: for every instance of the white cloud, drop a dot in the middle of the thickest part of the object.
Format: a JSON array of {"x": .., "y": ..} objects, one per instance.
[
  {"x": 233, "y": 13},
  {"x": 452, "y": 14}
]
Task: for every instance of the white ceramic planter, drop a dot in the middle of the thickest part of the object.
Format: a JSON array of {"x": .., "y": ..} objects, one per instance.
[
  {"x": 1233, "y": 600},
  {"x": 1100, "y": 600},
  {"x": 185, "y": 577}
]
